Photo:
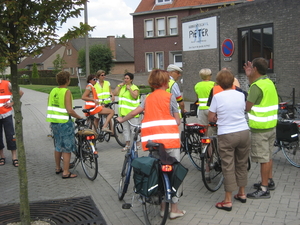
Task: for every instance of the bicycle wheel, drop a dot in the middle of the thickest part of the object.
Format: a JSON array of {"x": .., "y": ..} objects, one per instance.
[
  {"x": 151, "y": 209},
  {"x": 125, "y": 178},
  {"x": 182, "y": 146},
  {"x": 194, "y": 147},
  {"x": 249, "y": 164},
  {"x": 211, "y": 164},
  {"x": 89, "y": 160},
  {"x": 118, "y": 131},
  {"x": 291, "y": 152}
]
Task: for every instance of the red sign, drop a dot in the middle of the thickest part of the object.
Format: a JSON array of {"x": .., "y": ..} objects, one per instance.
[{"x": 227, "y": 47}]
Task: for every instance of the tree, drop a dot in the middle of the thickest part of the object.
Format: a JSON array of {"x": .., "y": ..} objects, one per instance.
[
  {"x": 3, "y": 65},
  {"x": 101, "y": 57},
  {"x": 26, "y": 27},
  {"x": 58, "y": 63},
  {"x": 35, "y": 72}
]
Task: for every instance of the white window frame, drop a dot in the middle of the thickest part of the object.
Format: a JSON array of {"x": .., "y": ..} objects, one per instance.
[
  {"x": 173, "y": 25},
  {"x": 160, "y": 26},
  {"x": 162, "y": 2},
  {"x": 149, "y": 28},
  {"x": 159, "y": 59},
  {"x": 69, "y": 51},
  {"x": 149, "y": 61}
]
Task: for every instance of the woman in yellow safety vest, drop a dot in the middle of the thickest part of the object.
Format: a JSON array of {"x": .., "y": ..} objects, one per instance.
[
  {"x": 59, "y": 113},
  {"x": 103, "y": 88},
  {"x": 160, "y": 123},
  {"x": 92, "y": 102},
  {"x": 129, "y": 99}
]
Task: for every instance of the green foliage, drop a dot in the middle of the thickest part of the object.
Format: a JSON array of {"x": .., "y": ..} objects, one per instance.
[
  {"x": 35, "y": 72},
  {"x": 75, "y": 90},
  {"x": 3, "y": 64},
  {"x": 101, "y": 57},
  {"x": 58, "y": 63}
]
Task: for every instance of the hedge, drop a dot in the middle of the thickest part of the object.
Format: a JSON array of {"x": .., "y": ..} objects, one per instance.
[{"x": 45, "y": 81}]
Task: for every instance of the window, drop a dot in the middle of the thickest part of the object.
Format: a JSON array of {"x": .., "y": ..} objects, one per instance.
[
  {"x": 149, "y": 61},
  {"x": 178, "y": 60},
  {"x": 69, "y": 51},
  {"x": 172, "y": 24},
  {"x": 160, "y": 60},
  {"x": 160, "y": 2},
  {"x": 256, "y": 41},
  {"x": 161, "y": 27},
  {"x": 149, "y": 28}
]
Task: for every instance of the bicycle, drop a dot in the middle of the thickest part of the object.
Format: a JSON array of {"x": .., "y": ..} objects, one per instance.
[
  {"x": 151, "y": 205},
  {"x": 130, "y": 155},
  {"x": 86, "y": 153},
  {"x": 191, "y": 140},
  {"x": 211, "y": 163},
  {"x": 102, "y": 135},
  {"x": 287, "y": 140}
]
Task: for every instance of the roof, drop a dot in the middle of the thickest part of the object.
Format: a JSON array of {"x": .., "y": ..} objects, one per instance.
[
  {"x": 124, "y": 47},
  {"x": 149, "y": 5},
  {"x": 41, "y": 58}
]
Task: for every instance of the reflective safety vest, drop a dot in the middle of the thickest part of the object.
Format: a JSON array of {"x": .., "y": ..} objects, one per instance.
[
  {"x": 264, "y": 115},
  {"x": 103, "y": 92},
  {"x": 92, "y": 105},
  {"x": 56, "y": 111},
  {"x": 126, "y": 102},
  {"x": 202, "y": 90},
  {"x": 171, "y": 83},
  {"x": 5, "y": 96},
  {"x": 158, "y": 124}
]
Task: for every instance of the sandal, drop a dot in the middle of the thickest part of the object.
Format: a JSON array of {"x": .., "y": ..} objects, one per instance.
[
  {"x": 2, "y": 161},
  {"x": 15, "y": 162},
  {"x": 242, "y": 198},
  {"x": 69, "y": 176},
  {"x": 220, "y": 205},
  {"x": 58, "y": 171}
]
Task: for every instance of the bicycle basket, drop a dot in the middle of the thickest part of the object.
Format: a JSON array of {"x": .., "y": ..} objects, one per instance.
[
  {"x": 287, "y": 131},
  {"x": 195, "y": 128}
]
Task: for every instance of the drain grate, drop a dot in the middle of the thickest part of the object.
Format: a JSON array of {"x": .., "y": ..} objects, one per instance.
[{"x": 69, "y": 211}]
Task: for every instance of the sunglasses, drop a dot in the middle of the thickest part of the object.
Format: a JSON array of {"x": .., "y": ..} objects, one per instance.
[
  {"x": 103, "y": 75},
  {"x": 94, "y": 79}
]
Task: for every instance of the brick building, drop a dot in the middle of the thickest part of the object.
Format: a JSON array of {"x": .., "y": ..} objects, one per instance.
[
  {"x": 270, "y": 29},
  {"x": 158, "y": 31}
]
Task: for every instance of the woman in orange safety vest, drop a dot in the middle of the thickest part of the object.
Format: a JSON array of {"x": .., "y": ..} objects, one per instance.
[{"x": 160, "y": 123}]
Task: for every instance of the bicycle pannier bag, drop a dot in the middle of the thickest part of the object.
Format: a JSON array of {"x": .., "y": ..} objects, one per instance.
[
  {"x": 145, "y": 175},
  {"x": 194, "y": 109},
  {"x": 178, "y": 175},
  {"x": 287, "y": 131}
]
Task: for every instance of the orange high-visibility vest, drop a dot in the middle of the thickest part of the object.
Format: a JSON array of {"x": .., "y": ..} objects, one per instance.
[
  {"x": 5, "y": 96},
  {"x": 217, "y": 89},
  {"x": 90, "y": 104},
  {"x": 158, "y": 124}
]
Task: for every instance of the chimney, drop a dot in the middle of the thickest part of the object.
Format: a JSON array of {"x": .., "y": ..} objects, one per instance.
[{"x": 112, "y": 45}]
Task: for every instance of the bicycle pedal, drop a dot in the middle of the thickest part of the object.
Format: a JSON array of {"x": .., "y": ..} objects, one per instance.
[{"x": 126, "y": 206}]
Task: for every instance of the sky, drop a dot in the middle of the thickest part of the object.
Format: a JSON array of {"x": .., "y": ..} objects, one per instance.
[{"x": 111, "y": 18}]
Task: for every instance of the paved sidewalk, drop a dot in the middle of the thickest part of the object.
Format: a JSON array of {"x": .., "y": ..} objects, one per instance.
[{"x": 44, "y": 184}]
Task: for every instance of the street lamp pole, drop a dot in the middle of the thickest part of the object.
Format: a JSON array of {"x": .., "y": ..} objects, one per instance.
[{"x": 87, "y": 51}]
